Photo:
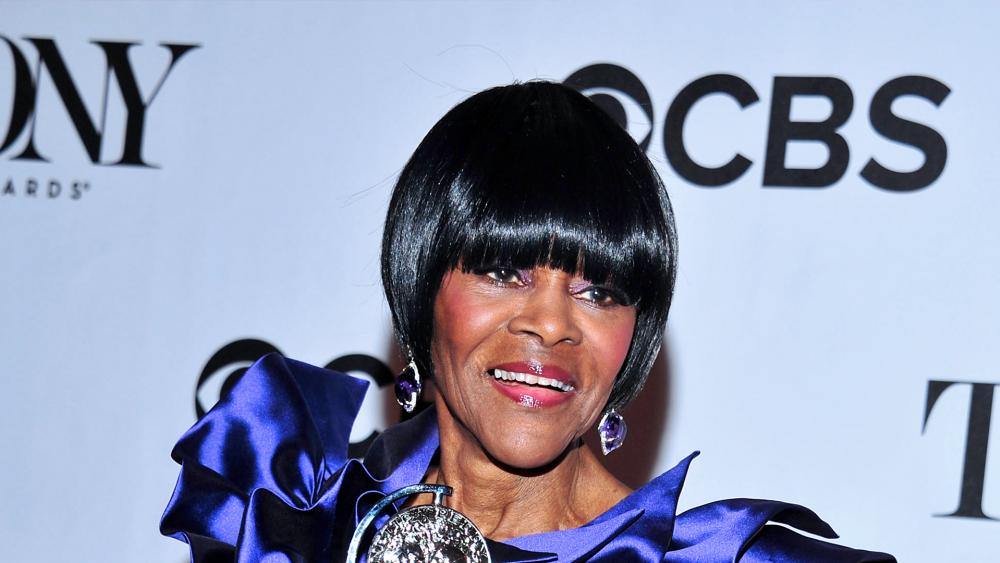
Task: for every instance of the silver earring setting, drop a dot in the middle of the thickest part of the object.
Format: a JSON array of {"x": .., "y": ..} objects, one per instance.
[
  {"x": 612, "y": 430},
  {"x": 408, "y": 387}
]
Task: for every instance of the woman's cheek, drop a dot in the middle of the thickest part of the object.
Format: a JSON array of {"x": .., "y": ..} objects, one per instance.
[
  {"x": 465, "y": 316},
  {"x": 618, "y": 340}
]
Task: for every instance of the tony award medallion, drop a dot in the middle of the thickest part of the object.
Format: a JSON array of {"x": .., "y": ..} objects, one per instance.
[{"x": 431, "y": 533}]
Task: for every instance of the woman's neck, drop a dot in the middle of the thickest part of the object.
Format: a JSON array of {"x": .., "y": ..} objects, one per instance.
[{"x": 506, "y": 502}]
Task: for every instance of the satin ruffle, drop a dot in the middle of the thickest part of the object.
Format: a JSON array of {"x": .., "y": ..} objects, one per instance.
[{"x": 265, "y": 477}]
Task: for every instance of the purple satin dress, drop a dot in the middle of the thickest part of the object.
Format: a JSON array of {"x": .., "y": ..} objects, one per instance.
[{"x": 265, "y": 477}]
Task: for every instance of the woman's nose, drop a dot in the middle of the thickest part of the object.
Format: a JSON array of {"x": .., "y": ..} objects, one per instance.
[{"x": 547, "y": 314}]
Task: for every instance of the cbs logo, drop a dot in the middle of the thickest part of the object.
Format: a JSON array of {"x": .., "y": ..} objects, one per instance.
[
  {"x": 599, "y": 80},
  {"x": 226, "y": 366}
]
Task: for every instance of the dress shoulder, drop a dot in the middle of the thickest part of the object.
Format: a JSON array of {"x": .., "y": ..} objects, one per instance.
[
  {"x": 759, "y": 531},
  {"x": 272, "y": 448}
]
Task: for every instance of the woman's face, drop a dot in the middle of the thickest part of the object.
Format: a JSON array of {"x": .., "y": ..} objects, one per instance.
[{"x": 525, "y": 359}]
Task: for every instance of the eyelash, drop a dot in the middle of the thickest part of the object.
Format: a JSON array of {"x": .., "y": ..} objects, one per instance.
[
  {"x": 500, "y": 276},
  {"x": 510, "y": 277},
  {"x": 611, "y": 297}
]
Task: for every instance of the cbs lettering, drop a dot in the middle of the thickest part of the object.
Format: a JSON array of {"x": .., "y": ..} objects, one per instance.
[{"x": 782, "y": 129}]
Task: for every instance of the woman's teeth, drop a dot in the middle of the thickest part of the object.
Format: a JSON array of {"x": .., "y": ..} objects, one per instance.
[{"x": 531, "y": 379}]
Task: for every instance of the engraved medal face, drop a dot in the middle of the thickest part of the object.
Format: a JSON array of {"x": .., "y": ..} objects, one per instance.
[{"x": 429, "y": 534}]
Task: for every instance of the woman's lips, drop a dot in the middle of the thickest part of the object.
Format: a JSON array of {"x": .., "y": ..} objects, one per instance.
[
  {"x": 532, "y": 384},
  {"x": 538, "y": 369}
]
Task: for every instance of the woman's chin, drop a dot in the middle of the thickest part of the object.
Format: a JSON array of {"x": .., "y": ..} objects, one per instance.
[{"x": 527, "y": 455}]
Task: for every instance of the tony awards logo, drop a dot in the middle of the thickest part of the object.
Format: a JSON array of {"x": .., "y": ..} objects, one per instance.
[
  {"x": 39, "y": 71},
  {"x": 977, "y": 443}
]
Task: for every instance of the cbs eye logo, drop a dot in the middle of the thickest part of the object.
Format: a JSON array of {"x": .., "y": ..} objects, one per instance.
[
  {"x": 598, "y": 80},
  {"x": 225, "y": 368},
  {"x": 624, "y": 97}
]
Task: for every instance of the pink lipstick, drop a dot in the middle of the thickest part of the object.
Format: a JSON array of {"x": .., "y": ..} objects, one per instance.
[{"x": 533, "y": 384}]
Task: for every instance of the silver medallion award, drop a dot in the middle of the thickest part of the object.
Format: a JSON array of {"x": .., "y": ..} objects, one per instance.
[{"x": 431, "y": 533}]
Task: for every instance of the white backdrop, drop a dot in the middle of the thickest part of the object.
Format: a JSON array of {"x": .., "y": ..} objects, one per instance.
[{"x": 807, "y": 325}]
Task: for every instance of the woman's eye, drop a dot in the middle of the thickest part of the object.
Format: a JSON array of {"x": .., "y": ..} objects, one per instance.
[
  {"x": 602, "y": 296},
  {"x": 505, "y": 276}
]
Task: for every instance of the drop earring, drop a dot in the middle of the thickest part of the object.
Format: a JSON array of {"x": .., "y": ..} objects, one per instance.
[
  {"x": 408, "y": 386},
  {"x": 612, "y": 430}
]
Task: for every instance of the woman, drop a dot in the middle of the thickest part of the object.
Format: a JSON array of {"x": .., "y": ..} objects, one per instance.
[{"x": 528, "y": 260}]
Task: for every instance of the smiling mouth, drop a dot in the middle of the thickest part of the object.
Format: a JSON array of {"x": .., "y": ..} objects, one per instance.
[{"x": 530, "y": 379}]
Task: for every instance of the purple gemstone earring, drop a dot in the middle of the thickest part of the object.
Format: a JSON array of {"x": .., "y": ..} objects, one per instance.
[
  {"x": 408, "y": 387},
  {"x": 612, "y": 430}
]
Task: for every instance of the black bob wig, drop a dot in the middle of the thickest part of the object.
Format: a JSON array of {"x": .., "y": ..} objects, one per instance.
[{"x": 526, "y": 175}]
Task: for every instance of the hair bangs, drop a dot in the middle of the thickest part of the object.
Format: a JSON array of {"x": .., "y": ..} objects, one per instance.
[
  {"x": 561, "y": 186},
  {"x": 545, "y": 233}
]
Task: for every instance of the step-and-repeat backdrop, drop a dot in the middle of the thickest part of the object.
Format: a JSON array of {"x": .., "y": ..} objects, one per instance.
[{"x": 186, "y": 186}]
